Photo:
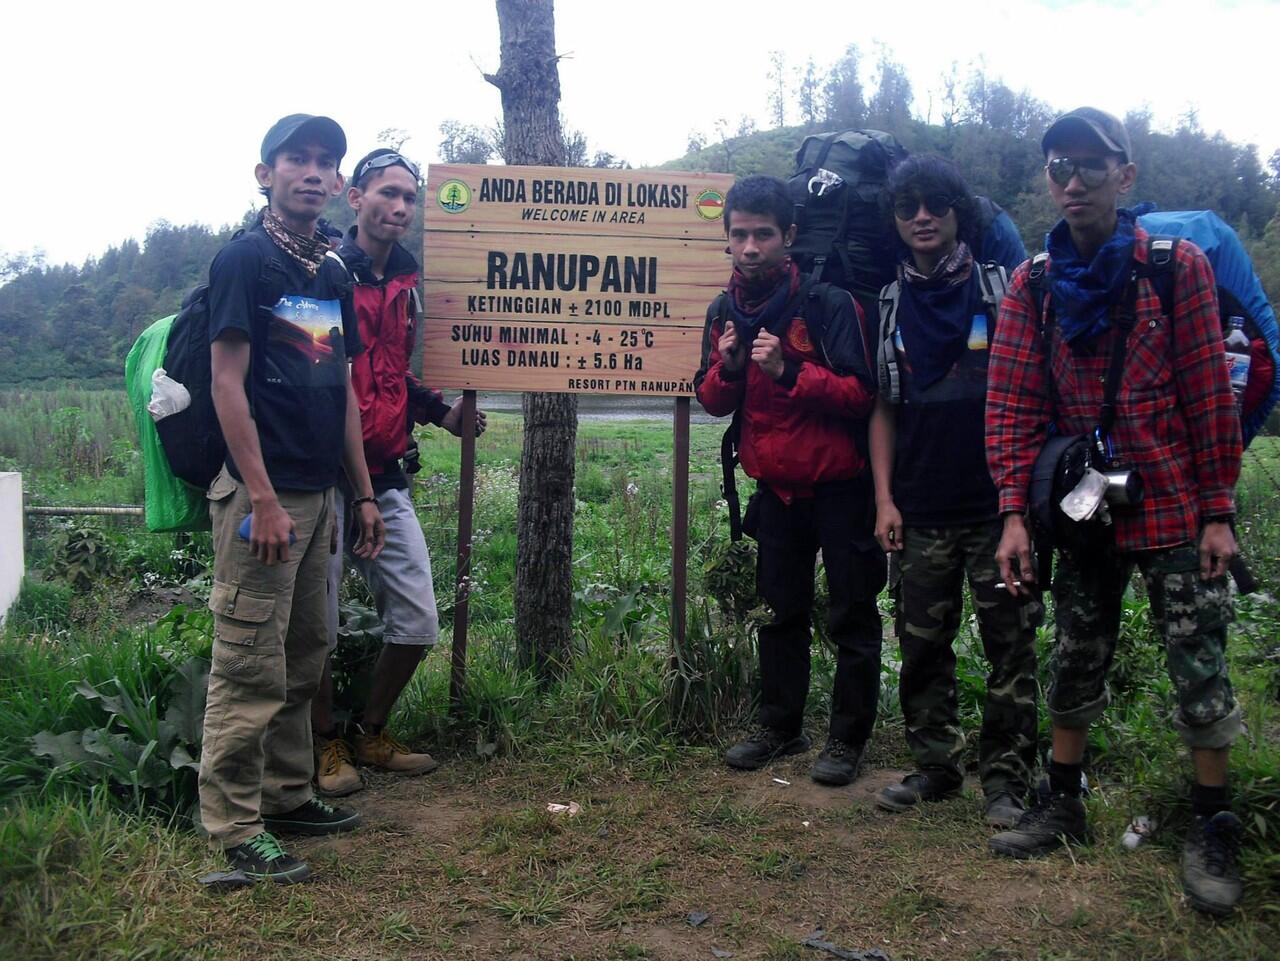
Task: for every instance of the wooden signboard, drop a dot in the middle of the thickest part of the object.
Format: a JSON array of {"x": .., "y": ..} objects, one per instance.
[{"x": 569, "y": 279}]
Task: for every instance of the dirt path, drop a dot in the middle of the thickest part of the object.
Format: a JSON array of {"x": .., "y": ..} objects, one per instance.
[{"x": 468, "y": 864}]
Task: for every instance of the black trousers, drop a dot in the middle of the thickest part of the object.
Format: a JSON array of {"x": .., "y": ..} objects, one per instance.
[{"x": 837, "y": 520}]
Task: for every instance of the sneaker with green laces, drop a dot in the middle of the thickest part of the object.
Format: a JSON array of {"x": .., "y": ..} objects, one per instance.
[
  {"x": 313, "y": 817},
  {"x": 263, "y": 859}
]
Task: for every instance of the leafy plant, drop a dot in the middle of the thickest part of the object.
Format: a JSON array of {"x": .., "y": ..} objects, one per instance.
[
  {"x": 359, "y": 644},
  {"x": 144, "y": 756},
  {"x": 81, "y": 556}
]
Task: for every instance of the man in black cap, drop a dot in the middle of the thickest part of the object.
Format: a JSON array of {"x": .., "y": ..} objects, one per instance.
[
  {"x": 281, "y": 330},
  {"x": 1068, "y": 326}
]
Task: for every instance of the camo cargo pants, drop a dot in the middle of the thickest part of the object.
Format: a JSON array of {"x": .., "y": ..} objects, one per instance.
[
  {"x": 931, "y": 569},
  {"x": 1191, "y": 615}
]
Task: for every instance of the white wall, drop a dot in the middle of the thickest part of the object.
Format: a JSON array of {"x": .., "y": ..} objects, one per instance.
[{"x": 11, "y": 557}]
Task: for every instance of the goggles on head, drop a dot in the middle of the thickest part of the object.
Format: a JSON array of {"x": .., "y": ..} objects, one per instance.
[{"x": 387, "y": 160}]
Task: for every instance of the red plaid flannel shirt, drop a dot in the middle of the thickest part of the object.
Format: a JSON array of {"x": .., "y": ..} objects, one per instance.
[{"x": 1176, "y": 418}]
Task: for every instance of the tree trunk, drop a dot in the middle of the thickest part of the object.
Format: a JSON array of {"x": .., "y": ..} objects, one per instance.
[{"x": 529, "y": 79}]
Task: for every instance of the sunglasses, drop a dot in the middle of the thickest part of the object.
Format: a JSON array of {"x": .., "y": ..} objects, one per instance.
[
  {"x": 938, "y": 205},
  {"x": 387, "y": 160},
  {"x": 1093, "y": 171}
]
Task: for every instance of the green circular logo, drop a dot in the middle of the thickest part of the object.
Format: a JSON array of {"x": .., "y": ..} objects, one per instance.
[
  {"x": 709, "y": 204},
  {"x": 454, "y": 196}
]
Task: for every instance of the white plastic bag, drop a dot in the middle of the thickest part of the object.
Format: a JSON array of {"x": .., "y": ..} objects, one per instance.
[
  {"x": 167, "y": 396},
  {"x": 1085, "y": 500}
]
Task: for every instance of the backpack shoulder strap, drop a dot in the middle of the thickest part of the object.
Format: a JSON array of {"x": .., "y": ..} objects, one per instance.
[
  {"x": 1162, "y": 262},
  {"x": 886, "y": 356},
  {"x": 994, "y": 280},
  {"x": 1037, "y": 284}
]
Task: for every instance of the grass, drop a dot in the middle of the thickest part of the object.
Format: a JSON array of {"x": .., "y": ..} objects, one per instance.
[{"x": 468, "y": 863}]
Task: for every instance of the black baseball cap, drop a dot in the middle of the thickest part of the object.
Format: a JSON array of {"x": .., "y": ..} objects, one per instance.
[
  {"x": 1093, "y": 123},
  {"x": 323, "y": 129}
]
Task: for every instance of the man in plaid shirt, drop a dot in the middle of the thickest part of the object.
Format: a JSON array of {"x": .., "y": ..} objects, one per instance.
[{"x": 1176, "y": 425}]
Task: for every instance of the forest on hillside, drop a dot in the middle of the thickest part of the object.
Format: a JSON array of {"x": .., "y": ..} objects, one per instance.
[{"x": 66, "y": 322}]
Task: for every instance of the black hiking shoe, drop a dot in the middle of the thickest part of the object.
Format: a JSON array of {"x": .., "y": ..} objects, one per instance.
[
  {"x": 1054, "y": 820},
  {"x": 916, "y": 787},
  {"x": 263, "y": 859},
  {"x": 313, "y": 817},
  {"x": 762, "y": 746},
  {"x": 838, "y": 763},
  {"x": 1209, "y": 874},
  {"x": 1004, "y": 810}
]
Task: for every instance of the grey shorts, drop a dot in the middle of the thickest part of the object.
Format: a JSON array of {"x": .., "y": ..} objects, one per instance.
[{"x": 400, "y": 578}]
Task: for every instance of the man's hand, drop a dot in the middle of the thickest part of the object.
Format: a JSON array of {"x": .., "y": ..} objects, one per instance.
[
  {"x": 1014, "y": 555},
  {"x": 269, "y": 531},
  {"x": 767, "y": 352},
  {"x": 1217, "y": 548},
  {"x": 373, "y": 532},
  {"x": 452, "y": 421},
  {"x": 732, "y": 356},
  {"x": 889, "y": 526}
]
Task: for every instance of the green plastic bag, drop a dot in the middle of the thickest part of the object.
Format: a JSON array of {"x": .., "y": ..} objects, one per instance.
[{"x": 171, "y": 504}]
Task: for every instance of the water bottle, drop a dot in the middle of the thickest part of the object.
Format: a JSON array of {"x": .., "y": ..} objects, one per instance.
[{"x": 1238, "y": 358}]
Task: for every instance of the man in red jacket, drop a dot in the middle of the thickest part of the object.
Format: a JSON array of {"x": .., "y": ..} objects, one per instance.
[
  {"x": 384, "y": 193},
  {"x": 788, "y": 358}
]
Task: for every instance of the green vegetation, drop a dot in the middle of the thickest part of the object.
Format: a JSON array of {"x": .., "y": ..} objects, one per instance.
[{"x": 99, "y": 690}]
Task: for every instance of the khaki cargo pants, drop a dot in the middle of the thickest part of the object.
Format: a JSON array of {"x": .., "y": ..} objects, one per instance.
[{"x": 268, "y": 655}]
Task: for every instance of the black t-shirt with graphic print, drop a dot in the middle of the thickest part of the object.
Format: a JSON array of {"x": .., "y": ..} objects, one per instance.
[
  {"x": 297, "y": 383},
  {"x": 940, "y": 476}
]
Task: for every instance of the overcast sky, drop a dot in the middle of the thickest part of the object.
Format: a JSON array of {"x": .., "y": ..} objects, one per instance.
[{"x": 118, "y": 115}]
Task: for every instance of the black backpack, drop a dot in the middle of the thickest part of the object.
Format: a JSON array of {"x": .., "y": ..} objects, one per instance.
[
  {"x": 840, "y": 235},
  {"x": 192, "y": 438}
]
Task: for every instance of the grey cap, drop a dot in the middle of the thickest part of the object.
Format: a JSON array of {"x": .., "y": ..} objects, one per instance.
[
  {"x": 323, "y": 129},
  {"x": 1093, "y": 123}
]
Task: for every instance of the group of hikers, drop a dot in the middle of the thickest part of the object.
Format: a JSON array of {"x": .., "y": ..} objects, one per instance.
[{"x": 901, "y": 447}]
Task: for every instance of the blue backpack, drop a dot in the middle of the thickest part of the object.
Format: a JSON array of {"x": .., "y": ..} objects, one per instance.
[{"x": 1240, "y": 294}]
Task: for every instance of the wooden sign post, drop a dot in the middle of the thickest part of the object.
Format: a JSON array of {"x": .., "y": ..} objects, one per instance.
[{"x": 569, "y": 280}]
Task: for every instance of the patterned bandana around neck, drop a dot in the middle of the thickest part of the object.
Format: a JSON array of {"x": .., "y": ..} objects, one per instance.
[
  {"x": 760, "y": 304},
  {"x": 950, "y": 271},
  {"x": 1084, "y": 293},
  {"x": 309, "y": 252},
  {"x": 935, "y": 314}
]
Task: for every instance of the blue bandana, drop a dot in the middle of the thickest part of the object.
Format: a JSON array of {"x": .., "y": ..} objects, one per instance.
[{"x": 1084, "y": 293}]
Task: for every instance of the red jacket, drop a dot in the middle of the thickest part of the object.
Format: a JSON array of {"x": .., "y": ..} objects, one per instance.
[
  {"x": 387, "y": 311},
  {"x": 797, "y": 431}
]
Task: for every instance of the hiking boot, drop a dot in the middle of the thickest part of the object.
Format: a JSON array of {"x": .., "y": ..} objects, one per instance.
[
  {"x": 336, "y": 774},
  {"x": 1209, "y": 874},
  {"x": 762, "y": 746},
  {"x": 383, "y": 751},
  {"x": 313, "y": 817},
  {"x": 916, "y": 787},
  {"x": 838, "y": 763},
  {"x": 1004, "y": 810},
  {"x": 1047, "y": 826},
  {"x": 263, "y": 859}
]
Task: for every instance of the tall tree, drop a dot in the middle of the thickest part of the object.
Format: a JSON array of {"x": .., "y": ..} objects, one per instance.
[
  {"x": 843, "y": 105},
  {"x": 890, "y": 105},
  {"x": 807, "y": 95},
  {"x": 529, "y": 80},
  {"x": 778, "y": 88}
]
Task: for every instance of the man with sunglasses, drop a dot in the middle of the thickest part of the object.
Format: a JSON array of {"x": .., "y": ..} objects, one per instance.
[
  {"x": 935, "y": 503},
  {"x": 384, "y": 194},
  {"x": 1176, "y": 425}
]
